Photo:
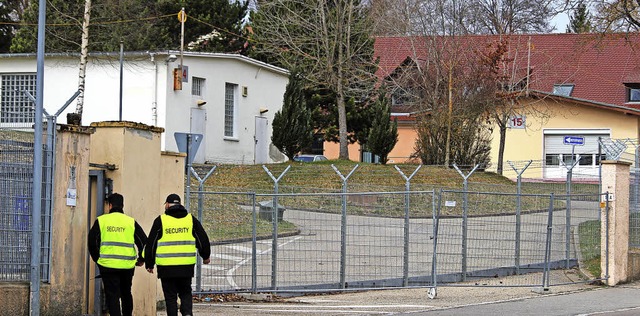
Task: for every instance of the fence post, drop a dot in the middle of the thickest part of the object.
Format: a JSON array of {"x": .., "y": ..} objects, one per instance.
[
  {"x": 200, "y": 206},
  {"x": 465, "y": 212},
  {"x": 343, "y": 229},
  {"x": 615, "y": 221},
  {"x": 436, "y": 222},
  {"x": 407, "y": 186},
  {"x": 567, "y": 233},
  {"x": 518, "y": 210},
  {"x": 547, "y": 249},
  {"x": 274, "y": 222}
]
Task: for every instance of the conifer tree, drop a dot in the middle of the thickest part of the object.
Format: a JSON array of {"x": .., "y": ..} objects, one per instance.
[
  {"x": 579, "y": 21},
  {"x": 383, "y": 134},
  {"x": 292, "y": 129}
]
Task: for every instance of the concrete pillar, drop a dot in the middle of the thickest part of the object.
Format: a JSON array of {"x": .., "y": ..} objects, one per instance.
[
  {"x": 144, "y": 176},
  {"x": 70, "y": 222},
  {"x": 615, "y": 181}
]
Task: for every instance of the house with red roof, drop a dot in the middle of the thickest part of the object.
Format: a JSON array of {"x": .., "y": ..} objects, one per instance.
[{"x": 576, "y": 87}]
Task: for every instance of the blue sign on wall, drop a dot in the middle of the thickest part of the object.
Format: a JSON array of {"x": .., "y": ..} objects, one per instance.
[{"x": 574, "y": 140}]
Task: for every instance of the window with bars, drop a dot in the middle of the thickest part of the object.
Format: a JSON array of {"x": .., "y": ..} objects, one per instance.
[
  {"x": 230, "y": 91},
  {"x": 197, "y": 86},
  {"x": 15, "y": 105}
]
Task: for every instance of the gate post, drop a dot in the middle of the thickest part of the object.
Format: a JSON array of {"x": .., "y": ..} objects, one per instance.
[{"x": 614, "y": 250}]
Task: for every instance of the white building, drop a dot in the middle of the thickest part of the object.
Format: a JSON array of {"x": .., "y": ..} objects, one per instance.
[{"x": 229, "y": 99}]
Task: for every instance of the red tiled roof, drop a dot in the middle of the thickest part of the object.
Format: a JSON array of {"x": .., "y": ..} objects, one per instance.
[{"x": 598, "y": 66}]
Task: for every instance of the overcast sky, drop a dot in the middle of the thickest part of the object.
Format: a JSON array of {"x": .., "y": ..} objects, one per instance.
[{"x": 560, "y": 22}]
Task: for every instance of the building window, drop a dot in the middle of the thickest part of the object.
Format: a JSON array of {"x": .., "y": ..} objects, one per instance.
[
  {"x": 563, "y": 89},
  {"x": 197, "y": 86},
  {"x": 633, "y": 92},
  {"x": 15, "y": 106},
  {"x": 230, "y": 92}
]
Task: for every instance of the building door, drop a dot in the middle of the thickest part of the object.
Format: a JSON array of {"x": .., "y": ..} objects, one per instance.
[
  {"x": 99, "y": 188},
  {"x": 198, "y": 126},
  {"x": 261, "y": 150}
]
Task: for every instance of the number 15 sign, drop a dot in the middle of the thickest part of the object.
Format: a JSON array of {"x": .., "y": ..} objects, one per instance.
[{"x": 517, "y": 121}]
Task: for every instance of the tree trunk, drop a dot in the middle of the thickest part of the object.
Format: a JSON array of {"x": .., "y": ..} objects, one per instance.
[
  {"x": 84, "y": 51},
  {"x": 447, "y": 149},
  {"x": 503, "y": 139},
  {"x": 342, "y": 124}
]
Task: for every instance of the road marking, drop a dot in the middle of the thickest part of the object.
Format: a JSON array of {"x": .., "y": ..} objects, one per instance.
[
  {"x": 230, "y": 280},
  {"x": 240, "y": 248},
  {"x": 608, "y": 312},
  {"x": 213, "y": 267},
  {"x": 227, "y": 257}
]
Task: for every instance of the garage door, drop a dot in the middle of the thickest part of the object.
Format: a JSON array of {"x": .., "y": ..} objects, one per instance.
[{"x": 558, "y": 156}]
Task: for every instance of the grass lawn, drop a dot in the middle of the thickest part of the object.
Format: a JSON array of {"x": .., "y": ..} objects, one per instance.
[{"x": 229, "y": 220}]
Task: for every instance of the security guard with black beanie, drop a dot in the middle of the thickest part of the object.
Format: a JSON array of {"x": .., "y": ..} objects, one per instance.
[
  {"x": 174, "y": 239},
  {"x": 113, "y": 240}
]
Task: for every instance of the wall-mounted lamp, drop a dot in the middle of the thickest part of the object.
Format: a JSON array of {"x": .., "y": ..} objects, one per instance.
[
  {"x": 263, "y": 110},
  {"x": 201, "y": 102},
  {"x": 171, "y": 58}
]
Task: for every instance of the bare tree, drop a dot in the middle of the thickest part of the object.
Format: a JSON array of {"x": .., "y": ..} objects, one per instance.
[
  {"x": 617, "y": 15},
  {"x": 405, "y": 17},
  {"x": 328, "y": 40}
]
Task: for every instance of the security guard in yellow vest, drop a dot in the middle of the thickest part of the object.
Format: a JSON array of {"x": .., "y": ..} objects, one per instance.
[
  {"x": 113, "y": 240},
  {"x": 175, "y": 238}
]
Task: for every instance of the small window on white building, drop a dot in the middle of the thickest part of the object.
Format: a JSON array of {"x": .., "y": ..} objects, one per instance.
[
  {"x": 230, "y": 92},
  {"x": 15, "y": 105},
  {"x": 563, "y": 89},
  {"x": 197, "y": 86}
]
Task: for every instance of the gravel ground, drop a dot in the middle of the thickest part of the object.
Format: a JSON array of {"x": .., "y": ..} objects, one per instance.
[{"x": 395, "y": 300}]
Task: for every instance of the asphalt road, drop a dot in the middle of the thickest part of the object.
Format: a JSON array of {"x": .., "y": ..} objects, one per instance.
[
  {"x": 577, "y": 299},
  {"x": 618, "y": 301}
]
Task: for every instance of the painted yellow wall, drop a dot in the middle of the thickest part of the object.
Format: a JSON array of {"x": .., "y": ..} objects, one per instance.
[
  {"x": 527, "y": 144},
  {"x": 69, "y": 226},
  {"x": 144, "y": 176}
]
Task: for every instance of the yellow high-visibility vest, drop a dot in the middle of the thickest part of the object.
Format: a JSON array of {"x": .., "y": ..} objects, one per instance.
[
  {"x": 177, "y": 245},
  {"x": 117, "y": 246}
]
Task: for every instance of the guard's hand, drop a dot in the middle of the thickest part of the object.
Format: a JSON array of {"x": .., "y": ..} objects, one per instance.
[
  {"x": 150, "y": 270},
  {"x": 139, "y": 263},
  {"x": 206, "y": 261}
]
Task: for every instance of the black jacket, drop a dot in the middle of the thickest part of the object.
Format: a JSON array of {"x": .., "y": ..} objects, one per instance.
[
  {"x": 139, "y": 237},
  {"x": 181, "y": 271}
]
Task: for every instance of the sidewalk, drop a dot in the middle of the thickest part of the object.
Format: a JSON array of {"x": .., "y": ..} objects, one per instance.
[{"x": 392, "y": 301}]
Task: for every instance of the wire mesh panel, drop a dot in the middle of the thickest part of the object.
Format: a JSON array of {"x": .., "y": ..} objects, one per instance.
[
  {"x": 228, "y": 221},
  {"x": 385, "y": 245},
  {"x": 308, "y": 249},
  {"x": 16, "y": 190},
  {"x": 634, "y": 208},
  {"x": 486, "y": 235},
  {"x": 16, "y": 177},
  {"x": 577, "y": 234}
]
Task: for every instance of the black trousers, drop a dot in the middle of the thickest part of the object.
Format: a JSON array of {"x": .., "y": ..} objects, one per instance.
[
  {"x": 117, "y": 288},
  {"x": 174, "y": 288}
]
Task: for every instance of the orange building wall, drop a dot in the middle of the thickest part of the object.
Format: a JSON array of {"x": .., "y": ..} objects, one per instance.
[{"x": 401, "y": 153}]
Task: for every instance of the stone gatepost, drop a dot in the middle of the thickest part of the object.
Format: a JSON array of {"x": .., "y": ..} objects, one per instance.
[{"x": 615, "y": 181}]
